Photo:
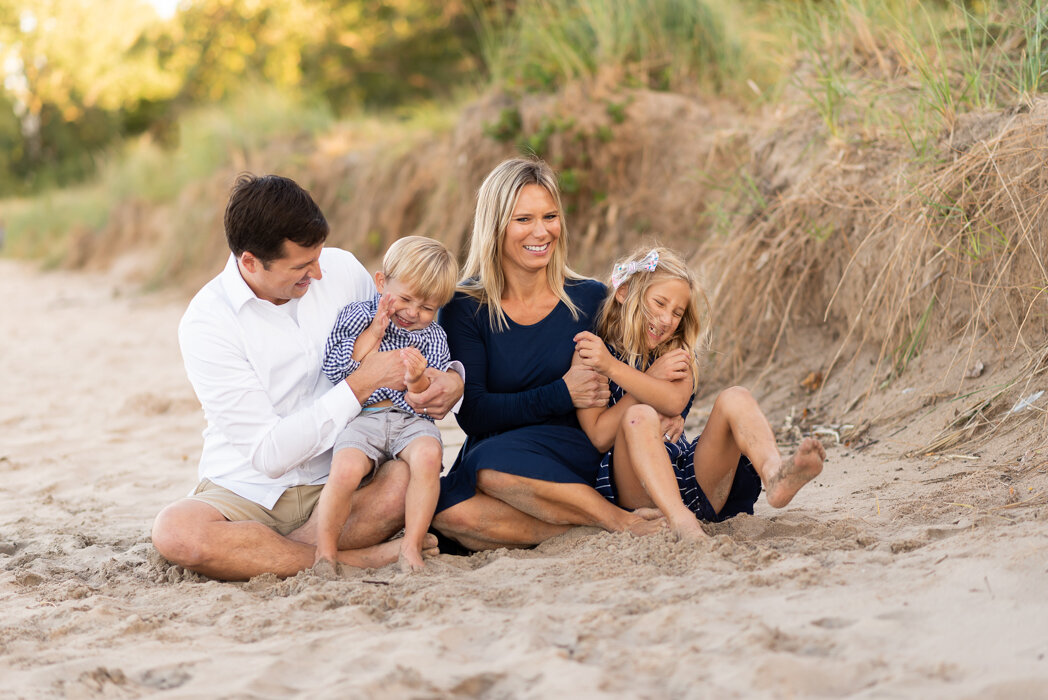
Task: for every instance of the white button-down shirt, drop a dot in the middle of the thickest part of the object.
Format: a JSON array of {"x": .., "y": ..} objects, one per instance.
[{"x": 272, "y": 415}]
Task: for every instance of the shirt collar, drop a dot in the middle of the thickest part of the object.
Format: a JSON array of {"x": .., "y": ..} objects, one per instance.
[{"x": 233, "y": 282}]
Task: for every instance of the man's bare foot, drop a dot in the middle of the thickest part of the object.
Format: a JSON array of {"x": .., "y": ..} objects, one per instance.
[
  {"x": 782, "y": 482},
  {"x": 379, "y": 555},
  {"x": 687, "y": 528}
]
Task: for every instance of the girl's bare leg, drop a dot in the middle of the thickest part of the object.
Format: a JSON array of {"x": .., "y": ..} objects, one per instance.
[
  {"x": 348, "y": 467},
  {"x": 565, "y": 504},
  {"x": 644, "y": 476},
  {"x": 424, "y": 457},
  {"x": 737, "y": 427}
]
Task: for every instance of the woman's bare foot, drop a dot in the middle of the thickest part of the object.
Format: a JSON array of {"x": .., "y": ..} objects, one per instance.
[
  {"x": 642, "y": 525},
  {"x": 783, "y": 481}
]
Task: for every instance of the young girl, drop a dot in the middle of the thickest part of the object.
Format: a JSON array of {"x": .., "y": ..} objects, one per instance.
[{"x": 650, "y": 325}]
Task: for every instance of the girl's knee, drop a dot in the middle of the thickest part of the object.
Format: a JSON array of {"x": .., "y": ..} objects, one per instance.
[
  {"x": 735, "y": 397},
  {"x": 641, "y": 416}
]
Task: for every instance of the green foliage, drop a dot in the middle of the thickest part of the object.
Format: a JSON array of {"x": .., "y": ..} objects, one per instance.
[
  {"x": 507, "y": 127},
  {"x": 665, "y": 44}
]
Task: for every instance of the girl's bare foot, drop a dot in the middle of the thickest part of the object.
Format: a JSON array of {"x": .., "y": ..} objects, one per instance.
[
  {"x": 687, "y": 528},
  {"x": 783, "y": 481}
]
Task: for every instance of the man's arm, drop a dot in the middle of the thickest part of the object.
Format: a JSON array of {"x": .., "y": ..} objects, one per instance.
[{"x": 237, "y": 404}]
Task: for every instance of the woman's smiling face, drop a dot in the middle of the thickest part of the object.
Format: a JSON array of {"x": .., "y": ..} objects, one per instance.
[{"x": 533, "y": 231}]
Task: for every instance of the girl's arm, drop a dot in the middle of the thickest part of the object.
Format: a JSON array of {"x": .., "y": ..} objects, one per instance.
[{"x": 668, "y": 396}]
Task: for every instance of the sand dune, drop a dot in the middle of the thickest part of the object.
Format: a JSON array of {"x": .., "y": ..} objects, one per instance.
[{"x": 887, "y": 577}]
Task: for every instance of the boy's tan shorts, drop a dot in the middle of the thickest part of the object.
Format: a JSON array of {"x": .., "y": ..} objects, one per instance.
[{"x": 290, "y": 512}]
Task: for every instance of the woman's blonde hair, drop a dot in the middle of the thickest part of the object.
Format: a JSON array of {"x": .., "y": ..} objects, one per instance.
[
  {"x": 624, "y": 325},
  {"x": 496, "y": 200}
]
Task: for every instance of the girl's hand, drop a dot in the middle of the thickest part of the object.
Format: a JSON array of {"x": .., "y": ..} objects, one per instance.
[
  {"x": 671, "y": 367},
  {"x": 671, "y": 427},
  {"x": 593, "y": 352},
  {"x": 414, "y": 364},
  {"x": 588, "y": 388}
]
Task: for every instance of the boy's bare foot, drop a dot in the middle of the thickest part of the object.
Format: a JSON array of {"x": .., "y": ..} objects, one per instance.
[
  {"x": 782, "y": 482},
  {"x": 410, "y": 560},
  {"x": 325, "y": 569}
]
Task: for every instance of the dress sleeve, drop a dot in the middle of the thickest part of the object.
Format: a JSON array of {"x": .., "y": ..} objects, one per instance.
[
  {"x": 338, "y": 353},
  {"x": 484, "y": 412}
]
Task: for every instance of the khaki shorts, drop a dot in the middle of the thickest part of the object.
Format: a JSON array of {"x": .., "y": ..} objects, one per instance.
[{"x": 290, "y": 512}]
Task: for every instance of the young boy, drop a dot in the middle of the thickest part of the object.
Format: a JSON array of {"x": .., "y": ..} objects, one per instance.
[{"x": 418, "y": 277}]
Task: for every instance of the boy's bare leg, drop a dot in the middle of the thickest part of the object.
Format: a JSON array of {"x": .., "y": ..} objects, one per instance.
[
  {"x": 644, "y": 476},
  {"x": 348, "y": 467},
  {"x": 566, "y": 504},
  {"x": 424, "y": 458},
  {"x": 737, "y": 427}
]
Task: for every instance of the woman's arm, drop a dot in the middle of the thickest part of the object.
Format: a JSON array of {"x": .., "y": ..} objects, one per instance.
[
  {"x": 484, "y": 412},
  {"x": 667, "y": 390}
]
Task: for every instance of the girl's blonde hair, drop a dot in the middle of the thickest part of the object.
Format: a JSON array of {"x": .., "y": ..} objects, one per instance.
[
  {"x": 624, "y": 325},
  {"x": 496, "y": 201}
]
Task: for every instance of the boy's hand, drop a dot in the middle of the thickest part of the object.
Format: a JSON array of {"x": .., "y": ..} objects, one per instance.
[
  {"x": 593, "y": 352},
  {"x": 380, "y": 323},
  {"x": 445, "y": 389}
]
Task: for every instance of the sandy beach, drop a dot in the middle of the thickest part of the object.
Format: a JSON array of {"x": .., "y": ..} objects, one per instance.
[{"x": 889, "y": 576}]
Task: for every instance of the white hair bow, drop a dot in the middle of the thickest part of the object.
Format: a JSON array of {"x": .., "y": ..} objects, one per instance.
[{"x": 622, "y": 272}]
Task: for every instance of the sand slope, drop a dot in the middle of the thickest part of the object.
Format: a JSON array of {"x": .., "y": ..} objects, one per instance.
[{"x": 886, "y": 578}]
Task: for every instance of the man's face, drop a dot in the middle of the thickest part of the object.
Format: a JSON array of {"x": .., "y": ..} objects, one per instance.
[{"x": 286, "y": 278}]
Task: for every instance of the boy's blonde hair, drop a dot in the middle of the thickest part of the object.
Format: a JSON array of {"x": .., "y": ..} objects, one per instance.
[
  {"x": 424, "y": 265},
  {"x": 623, "y": 326},
  {"x": 496, "y": 201}
]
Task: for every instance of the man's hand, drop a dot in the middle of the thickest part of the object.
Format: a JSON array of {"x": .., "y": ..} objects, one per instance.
[
  {"x": 445, "y": 389},
  {"x": 377, "y": 370}
]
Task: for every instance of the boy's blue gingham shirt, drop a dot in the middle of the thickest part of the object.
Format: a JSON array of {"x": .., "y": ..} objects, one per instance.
[{"x": 351, "y": 322}]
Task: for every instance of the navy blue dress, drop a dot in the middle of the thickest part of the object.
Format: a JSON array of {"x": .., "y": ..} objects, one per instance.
[
  {"x": 745, "y": 488},
  {"x": 516, "y": 410}
]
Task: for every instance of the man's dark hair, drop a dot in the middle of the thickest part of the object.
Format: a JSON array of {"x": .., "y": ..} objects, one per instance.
[{"x": 265, "y": 210}]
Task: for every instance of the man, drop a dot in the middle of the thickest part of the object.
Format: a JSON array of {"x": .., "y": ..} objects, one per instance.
[{"x": 253, "y": 342}]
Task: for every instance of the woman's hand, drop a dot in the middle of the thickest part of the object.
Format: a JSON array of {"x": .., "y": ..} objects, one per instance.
[
  {"x": 593, "y": 353},
  {"x": 672, "y": 427},
  {"x": 671, "y": 367},
  {"x": 588, "y": 388}
]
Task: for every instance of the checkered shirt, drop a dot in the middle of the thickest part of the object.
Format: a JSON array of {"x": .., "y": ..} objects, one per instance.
[{"x": 351, "y": 322}]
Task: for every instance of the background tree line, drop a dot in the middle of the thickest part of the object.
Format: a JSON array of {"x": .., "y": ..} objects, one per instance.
[{"x": 80, "y": 75}]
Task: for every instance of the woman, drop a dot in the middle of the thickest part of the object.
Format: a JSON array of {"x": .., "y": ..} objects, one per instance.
[{"x": 526, "y": 471}]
